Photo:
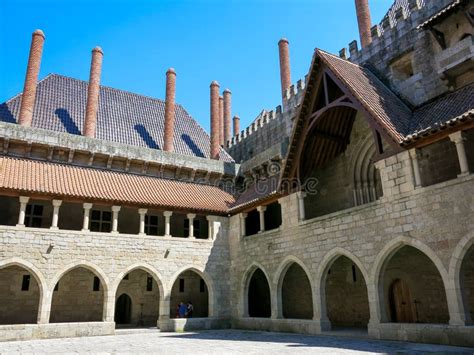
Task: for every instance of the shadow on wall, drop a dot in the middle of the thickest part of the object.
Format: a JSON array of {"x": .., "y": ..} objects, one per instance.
[
  {"x": 6, "y": 114},
  {"x": 190, "y": 143},
  {"x": 145, "y": 135},
  {"x": 67, "y": 121}
]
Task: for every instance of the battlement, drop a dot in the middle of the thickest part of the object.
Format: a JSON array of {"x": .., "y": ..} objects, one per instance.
[{"x": 401, "y": 19}]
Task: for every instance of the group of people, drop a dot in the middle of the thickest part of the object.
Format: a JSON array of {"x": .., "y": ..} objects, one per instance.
[{"x": 184, "y": 310}]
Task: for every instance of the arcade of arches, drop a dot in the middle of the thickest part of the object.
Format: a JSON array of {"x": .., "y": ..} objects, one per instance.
[{"x": 411, "y": 290}]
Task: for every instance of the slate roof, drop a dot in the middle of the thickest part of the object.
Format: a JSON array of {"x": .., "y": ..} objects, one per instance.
[
  {"x": 123, "y": 117},
  {"x": 87, "y": 184}
]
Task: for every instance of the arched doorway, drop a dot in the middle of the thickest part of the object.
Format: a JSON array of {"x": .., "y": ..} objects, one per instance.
[
  {"x": 78, "y": 297},
  {"x": 346, "y": 296},
  {"x": 141, "y": 290},
  {"x": 259, "y": 303},
  {"x": 467, "y": 284},
  {"x": 413, "y": 288},
  {"x": 296, "y": 295},
  {"x": 190, "y": 287},
  {"x": 19, "y": 296},
  {"x": 123, "y": 309}
]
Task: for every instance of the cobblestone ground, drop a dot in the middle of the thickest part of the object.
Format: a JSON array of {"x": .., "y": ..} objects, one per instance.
[{"x": 218, "y": 342}]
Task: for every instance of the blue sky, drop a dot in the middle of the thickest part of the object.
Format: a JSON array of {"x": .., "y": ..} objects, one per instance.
[{"x": 231, "y": 41}]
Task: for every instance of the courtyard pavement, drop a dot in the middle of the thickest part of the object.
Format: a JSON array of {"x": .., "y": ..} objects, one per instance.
[{"x": 218, "y": 342}]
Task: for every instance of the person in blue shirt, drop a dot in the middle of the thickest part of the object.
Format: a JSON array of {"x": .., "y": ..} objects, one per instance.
[{"x": 182, "y": 310}]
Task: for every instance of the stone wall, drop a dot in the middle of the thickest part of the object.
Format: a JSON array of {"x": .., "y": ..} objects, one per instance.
[
  {"x": 437, "y": 220},
  {"x": 49, "y": 254}
]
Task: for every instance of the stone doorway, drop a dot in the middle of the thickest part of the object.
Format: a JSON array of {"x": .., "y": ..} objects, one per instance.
[
  {"x": 401, "y": 303},
  {"x": 123, "y": 310}
]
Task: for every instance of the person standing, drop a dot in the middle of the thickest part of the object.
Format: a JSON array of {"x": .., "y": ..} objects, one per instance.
[
  {"x": 182, "y": 310},
  {"x": 190, "y": 310}
]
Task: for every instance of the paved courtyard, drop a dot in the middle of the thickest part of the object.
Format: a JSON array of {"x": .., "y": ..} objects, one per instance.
[{"x": 218, "y": 342}]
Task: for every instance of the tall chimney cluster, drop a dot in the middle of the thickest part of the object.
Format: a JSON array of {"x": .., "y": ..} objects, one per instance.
[{"x": 364, "y": 22}]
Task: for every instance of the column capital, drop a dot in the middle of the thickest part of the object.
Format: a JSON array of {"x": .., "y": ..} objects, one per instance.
[
  {"x": 142, "y": 211},
  {"x": 191, "y": 215},
  {"x": 413, "y": 153},
  {"x": 211, "y": 218},
  {"x": 57, "y": 203},
  {"x": 243, "y": 215},
  {"x": 24, "y": 199},
  {"x": 457, "y": 137},
  {"x": 301, "y": 194},
  {"x": 116, "y": 208},
  {"x": 261, "y": 208},
  {"x": 167, "y": 213},
  {"x": 87, "y": 205}
]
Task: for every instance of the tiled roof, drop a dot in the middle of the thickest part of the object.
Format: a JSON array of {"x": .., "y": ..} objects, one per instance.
[
  {"x": 65, "y": 181},
  {"x": 391, "y": 112},
  {"x": 123, "y": 117},
  {"x": 256, "y": 192}
]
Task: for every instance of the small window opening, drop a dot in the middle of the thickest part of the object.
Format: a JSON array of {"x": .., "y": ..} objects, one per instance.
[
  {"x": 101, "y": 221},
  {"x": 202, "y": 286},
  {"x": 151, "y": 225},
  {"x": 25, "y": 284},
  {"x": 34, "y": 215},
  {"x": 354, "y": 274},
  {"x": 149, "y": 283},
  {"x": 181, "y": 285},
  {"x": 96, "y": 286}
]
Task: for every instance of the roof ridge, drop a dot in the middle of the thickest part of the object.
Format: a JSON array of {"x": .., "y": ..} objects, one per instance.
[{"x": 318, "y": 50}]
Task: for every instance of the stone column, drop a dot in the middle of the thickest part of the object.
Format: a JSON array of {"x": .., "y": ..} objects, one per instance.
[
  {"x": 115, "y": 212},
  {"x": 458, "y": 139},
  {"x": 167, "y": 215},
  {"x": 301, "y": 212},
  {"x": 416, "y": 167},
  {"x": 261, "y": 211},
  {"x": 142, "y": 212},
  {"x": 243, "y": 216},
  {"x": 44, "y": 309},
  {"x": 56, "y": 205},
  {"x": 210, "y": 229},
  {"x": 191, "y": 217},
  {"x": 21, "y": 216},
  {"x": 109, "y": 307},
  {"x": 87, "y": 211}
]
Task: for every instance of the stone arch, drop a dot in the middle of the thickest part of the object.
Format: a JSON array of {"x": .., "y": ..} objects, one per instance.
[
  {"x": 328, "y": 261},
  {"x": 463, "y": 248},
  {"x": 145, "y": 302},
  {"x": 39, "y": 278},
  {"x": 279, "y": 279},
  {"x": 245, "y": 285},
  {"x": 365, "y": 180},
  {"x": 383, "y": 259},
  {"x": 139, "y": 266},
  {"x": 96, "y": 271},
  {"x": 211, "y": 299}
]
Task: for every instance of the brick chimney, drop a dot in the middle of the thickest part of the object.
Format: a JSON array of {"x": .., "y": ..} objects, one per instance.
[
  {"x": 285, "y": 74},
  {"x": 227, "y": 115},
  {"x": 363, "y": 19},
  {"x": 92, "y": 105},
  {"x": 221, "y": 121},
  {"x": 236, "y": 125},
  {"x": 169, "y": 109},
  {"x": 31, "y": 80},
  {"x": 215, "y": 134}
]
